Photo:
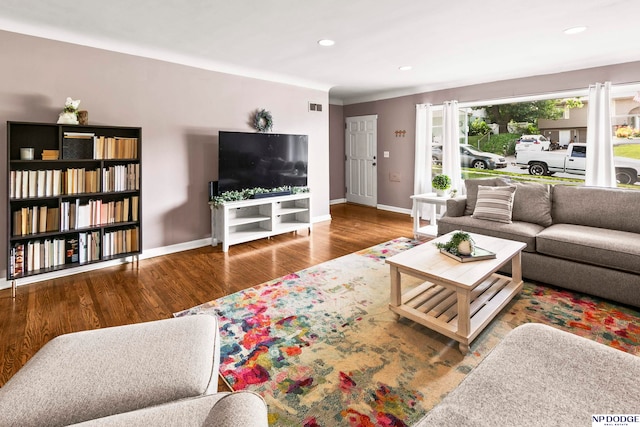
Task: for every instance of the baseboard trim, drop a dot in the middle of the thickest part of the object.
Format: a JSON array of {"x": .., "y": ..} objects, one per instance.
[
  {"x": 147, "y": 253},
  {"x": 394, "y": 209},
  {"x": 337, "y": 201},
  {"x": 322, "y": 218}
]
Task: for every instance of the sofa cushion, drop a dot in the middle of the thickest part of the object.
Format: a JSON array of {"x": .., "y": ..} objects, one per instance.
[
  {"x": 532, "y": 203},
  {"x": 471, "y": 189},
  {"x": 494, "y": 203},
  {"x": 610, "y": 208},
  {"x": 524, "y": 232},
  {"x": 591, "y": 245}
]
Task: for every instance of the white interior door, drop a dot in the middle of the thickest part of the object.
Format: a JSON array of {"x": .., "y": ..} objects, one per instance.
[{"x": 361, "y": 151}]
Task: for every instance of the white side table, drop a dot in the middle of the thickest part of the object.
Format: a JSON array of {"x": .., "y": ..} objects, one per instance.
[{"x": 434, "y": 201}]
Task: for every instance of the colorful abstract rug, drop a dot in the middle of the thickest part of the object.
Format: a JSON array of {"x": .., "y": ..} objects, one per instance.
[{"x": 323, "y": 348}]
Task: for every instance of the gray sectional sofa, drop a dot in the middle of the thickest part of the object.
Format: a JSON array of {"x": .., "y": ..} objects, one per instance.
[{"x": 581, "y": 238}]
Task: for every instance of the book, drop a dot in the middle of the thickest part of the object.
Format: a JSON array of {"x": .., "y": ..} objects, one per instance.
[
  {"x": 34, "y": 221},
  {"x": 25, "y": 184},
  {"x": 478, "y": 254},
  {"x": 82, "y": 252},
  {"x": 17, "y": 222},
  {"x": 18, "y": 265},
  {"x": 53, "y": 219},
  {"x": 42, "y": 216},
  {"x": 134, "y": 208},
  {"x": 41, "y": 183},
  {"x": 50, "y": 154},
  {"x": 48, "y": 192},
  {"x": 18, "y": 184},
  {"x": 71, "y": 250},
  {"x": 12, "y": 184},
  {"x": 32, "y": 181}
]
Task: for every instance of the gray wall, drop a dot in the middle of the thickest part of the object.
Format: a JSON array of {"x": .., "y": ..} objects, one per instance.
[
  {"x": 399, "y": 114},
  {"x": 180, "y": 110}
]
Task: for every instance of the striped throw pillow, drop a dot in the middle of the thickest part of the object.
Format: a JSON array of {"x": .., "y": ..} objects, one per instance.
[{"x": 494, "y": 203}]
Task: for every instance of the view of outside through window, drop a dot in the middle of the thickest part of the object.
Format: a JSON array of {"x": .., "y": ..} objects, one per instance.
[{"x": 542, "y": 140}]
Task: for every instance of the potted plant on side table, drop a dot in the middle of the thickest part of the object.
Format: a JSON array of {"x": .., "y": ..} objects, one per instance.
[{"x": 441, "y": 183}]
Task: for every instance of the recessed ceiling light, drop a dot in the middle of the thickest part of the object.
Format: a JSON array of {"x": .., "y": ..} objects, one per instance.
[
  {"x": 326, "y": 42},
  {"x": 575, "y": 30},
  {"x": 405, "y": 68}
]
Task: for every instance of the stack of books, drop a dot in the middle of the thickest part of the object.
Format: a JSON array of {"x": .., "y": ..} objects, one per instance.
[{"x": 50, "y": 154}]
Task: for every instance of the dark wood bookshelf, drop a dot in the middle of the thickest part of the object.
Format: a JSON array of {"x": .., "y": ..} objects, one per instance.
[{"x": 88, "y": 173}]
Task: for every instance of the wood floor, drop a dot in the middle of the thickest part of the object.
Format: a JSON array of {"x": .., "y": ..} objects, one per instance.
[{"x": 163, "y": 285}]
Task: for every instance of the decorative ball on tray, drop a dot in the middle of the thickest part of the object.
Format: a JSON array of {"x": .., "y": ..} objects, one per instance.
[{"x": 461, "y": 243}]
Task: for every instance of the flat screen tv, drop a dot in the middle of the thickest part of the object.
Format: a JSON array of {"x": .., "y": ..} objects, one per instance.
[{"x": 264, "y": 160}]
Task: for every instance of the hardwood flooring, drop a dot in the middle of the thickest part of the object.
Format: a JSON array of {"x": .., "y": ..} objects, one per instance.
[{"x": 163, "y": 285}]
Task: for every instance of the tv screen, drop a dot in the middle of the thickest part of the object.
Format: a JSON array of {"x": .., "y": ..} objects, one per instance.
[{"x": 264, "y": 160}]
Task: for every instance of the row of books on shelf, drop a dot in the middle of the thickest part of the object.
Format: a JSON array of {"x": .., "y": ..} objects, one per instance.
[
  {"x": 87, "y": 145},
  {"x": 73, "y": 215},
  {"x": 119, "y": 242},
  {"x": 55, "y": 182},
  {"x": 36, "y": 255}
]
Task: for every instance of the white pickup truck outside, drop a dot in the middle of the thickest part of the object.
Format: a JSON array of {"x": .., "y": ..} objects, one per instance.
[{"x": 574, "y": 162}]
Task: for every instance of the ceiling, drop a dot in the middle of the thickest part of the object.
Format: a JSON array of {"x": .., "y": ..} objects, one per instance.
[{"x": 447, "y": 43}]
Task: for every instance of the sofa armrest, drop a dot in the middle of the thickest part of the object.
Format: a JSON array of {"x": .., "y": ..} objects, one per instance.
[
  {"x": 240, "y": 408},
  {"x": 456, "y": 206},
  {"x": 97, "y": 373}
]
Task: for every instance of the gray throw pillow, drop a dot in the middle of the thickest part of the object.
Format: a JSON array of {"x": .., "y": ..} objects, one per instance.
[
  {"x": 494, "y": 203},
  {"x": 532, "y": 203},
  {"x": 471, "y": 186}
]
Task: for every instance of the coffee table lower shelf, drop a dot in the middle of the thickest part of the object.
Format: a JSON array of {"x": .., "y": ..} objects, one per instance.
[{"x": 454, "y": 312}]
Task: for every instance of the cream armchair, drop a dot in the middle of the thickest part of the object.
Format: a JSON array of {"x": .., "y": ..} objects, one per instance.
[{"x": 161, "y": 373}]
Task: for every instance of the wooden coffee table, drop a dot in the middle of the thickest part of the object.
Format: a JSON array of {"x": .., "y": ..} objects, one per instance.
[{"x": 457, "y": 299}]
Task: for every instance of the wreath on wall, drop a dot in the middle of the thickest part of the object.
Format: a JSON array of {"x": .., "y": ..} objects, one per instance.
[{"x": 263, "y": 121}]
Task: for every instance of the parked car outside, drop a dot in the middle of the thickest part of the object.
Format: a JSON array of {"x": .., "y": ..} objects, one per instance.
[
  {"x": 532, "y": 143},
  {"x": 574, "y": 161},
  {"x": 471, "y": 157}
]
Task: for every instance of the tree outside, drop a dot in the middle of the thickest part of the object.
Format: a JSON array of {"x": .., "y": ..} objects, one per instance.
[{"x": 527, "y": 112}]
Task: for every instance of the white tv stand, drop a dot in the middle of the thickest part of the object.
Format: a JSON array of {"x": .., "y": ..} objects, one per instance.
[{"x": 253, "y": 219}]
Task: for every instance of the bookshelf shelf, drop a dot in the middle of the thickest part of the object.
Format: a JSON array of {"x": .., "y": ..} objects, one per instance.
[
  {"x": 77, "y": 202},
  {"x": 243, "y": 221}
]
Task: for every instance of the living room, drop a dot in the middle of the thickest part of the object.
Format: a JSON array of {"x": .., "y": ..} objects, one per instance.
[{"x": 180, "y": 109}]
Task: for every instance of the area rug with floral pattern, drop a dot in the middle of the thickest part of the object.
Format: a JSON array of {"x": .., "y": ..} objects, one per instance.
[{"x": 321, "y": 346}]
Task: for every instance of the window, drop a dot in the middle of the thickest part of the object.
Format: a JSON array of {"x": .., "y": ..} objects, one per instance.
[{"x": 550, "y": 134}]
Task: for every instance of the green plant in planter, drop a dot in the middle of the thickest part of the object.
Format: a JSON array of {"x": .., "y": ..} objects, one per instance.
[
  {"x": 453, "y": 244},
  {"x": 441, "y": 182},
  {"x": 230, "y": 196}
]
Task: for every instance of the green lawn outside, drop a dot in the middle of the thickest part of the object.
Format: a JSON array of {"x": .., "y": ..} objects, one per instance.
[{"x": 627, "y": 150}]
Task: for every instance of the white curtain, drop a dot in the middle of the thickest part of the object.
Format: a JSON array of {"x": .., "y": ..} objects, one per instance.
[
  {"x": 424, "y": 130},
  {"x": 451, "y": 144},
  {"x": 600, "y": 170}
]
